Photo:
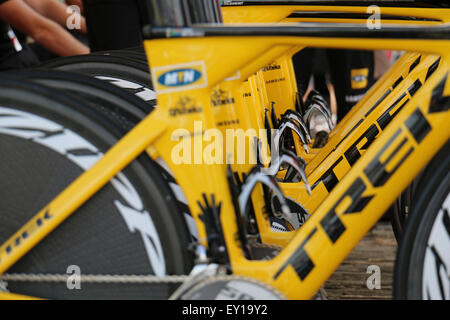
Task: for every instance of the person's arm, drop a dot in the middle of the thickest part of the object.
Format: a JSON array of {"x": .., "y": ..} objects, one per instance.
[
  {"x": 57, "y": 11},
  {"x": 44, "y": 31}
]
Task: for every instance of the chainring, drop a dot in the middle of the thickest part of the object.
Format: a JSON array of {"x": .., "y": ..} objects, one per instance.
[{"x": 231, "y": 288}]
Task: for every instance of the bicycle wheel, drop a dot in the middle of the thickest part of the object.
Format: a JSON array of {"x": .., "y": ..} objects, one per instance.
[
  {"x": 399, "y": 213},
  {"x": 131, "y": 75},
  {"x": 131, "y": 226},
  {"x": 120, "y": 107},
  {"x": 124, "y": 109},
  {"x": 422, "y": 269}
]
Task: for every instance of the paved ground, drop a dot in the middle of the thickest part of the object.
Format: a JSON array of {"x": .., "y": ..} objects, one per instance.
[{"x": 349, "y": 280}]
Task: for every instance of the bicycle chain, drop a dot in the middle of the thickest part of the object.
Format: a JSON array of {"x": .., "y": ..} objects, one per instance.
[
  {"x": 106, "y": 278},
  {"x": 93, "y": 278},
  {"x": 266, "y": 246}
]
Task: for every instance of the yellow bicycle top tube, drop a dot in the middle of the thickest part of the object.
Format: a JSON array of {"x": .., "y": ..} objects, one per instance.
[{"x": 305, "y": 11}]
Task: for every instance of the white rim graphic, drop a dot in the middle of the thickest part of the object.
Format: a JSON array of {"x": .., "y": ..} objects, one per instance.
[
  {"x": 436, "y": 266},
  {"x": 34, "y": 128}
]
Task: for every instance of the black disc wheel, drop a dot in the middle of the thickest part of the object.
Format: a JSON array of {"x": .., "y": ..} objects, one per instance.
[
  {"x": 130, "y": 227},
  {"x": 422, "y": 268}
]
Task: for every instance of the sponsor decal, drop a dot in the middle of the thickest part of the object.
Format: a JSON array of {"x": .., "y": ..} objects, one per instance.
[
  {"x": 185, "y": 105},
  {"x": 228, "y": 122},
  {"x": 359, "y": 78},
  {"x": 180, "y": 77},
  {"x": 275, "y": 80},
  {"x": 232, "y": 3},
  {"x": 220, "y": 97},
  {"x": 271, "y": 67}
]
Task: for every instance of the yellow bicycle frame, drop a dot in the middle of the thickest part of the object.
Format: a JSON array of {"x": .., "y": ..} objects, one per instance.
[
  {"x": 282, "y": 93},
  {"x": 406, "y": 145},
  {"x": 275, "y": 84}
]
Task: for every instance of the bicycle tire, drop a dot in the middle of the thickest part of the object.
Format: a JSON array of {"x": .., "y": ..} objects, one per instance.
[
  {"x": 124, "y": 109},
  {"x": 131, "y": 75},
  {"x": 413, "y": 276},
  {"x": 98, "y": 237},
  {"x": 136, "y": 54}
]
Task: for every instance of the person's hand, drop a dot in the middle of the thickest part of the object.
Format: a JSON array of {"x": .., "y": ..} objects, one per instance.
[
  {"x": 78, "y": 3},
  {"x": 44, "y": 31}
]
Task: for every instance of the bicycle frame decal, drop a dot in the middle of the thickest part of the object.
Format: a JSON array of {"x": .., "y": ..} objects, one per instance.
[{"x": 180, "y": 77}]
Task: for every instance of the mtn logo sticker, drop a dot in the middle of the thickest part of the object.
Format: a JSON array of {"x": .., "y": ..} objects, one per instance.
[
  {"x": 180, "y": 77},
  {"x": 359, "y": 78}
]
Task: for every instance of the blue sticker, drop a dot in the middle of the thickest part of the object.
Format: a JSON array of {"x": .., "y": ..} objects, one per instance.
[
  {"x": 179, "y": 77},
  {"x": 359, "y": 78}
]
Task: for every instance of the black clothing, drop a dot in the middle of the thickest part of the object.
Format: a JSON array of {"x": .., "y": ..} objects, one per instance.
[
  {"x": 13, "y": 53},
  {"x": 351, "y": 71},
  {"x": 113, "y": 24}
]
